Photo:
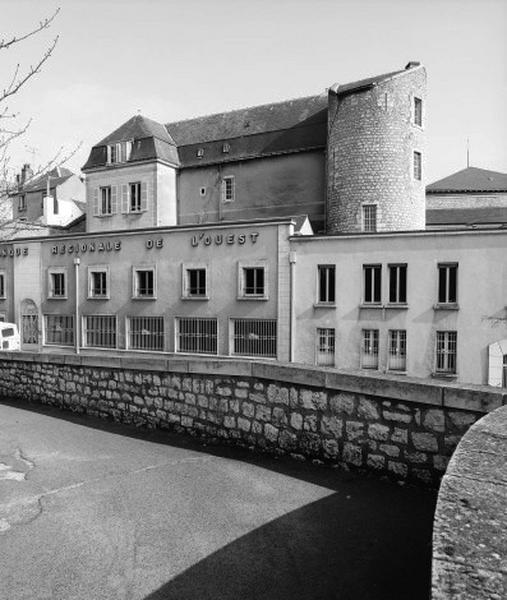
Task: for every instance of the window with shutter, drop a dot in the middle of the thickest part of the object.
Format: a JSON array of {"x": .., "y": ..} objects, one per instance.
[
  {"x": 96, "y": 211},
  {"x": 124, "y": 199},
  {"x": 114, "y": 199},
  {"x": 144, "y": 195}
]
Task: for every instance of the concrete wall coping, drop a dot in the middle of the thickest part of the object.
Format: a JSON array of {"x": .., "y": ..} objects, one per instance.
[
  {"x": 469, "y": 542},
  {"x": 482, "y": 399}
]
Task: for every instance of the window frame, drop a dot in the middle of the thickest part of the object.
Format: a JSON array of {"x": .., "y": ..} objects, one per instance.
[
  {"x": 447, "y": 302},
  {"x": 417, "y": 165},
  {"x": 233, "y": 337},
  {"x": 214, "y": 337},
  {"x": 185, "y": 282},
  {"x": 325, "y": 345},
  {"x": 326, "y": 268},
  {"x": 52, "y": 271},
  {"x": 242, "y": 267},
  {"x": 135, "y": 283},
  {"x": 160, "y": 335},
  {"x": 93, "y": 269},
  {"x": 3, "y": 287},
  {"x": 71, "y": 328},
  {"x": 376, "y": 268},
  {"x": 373, "y": 341},
  {"x": 390, "y": 268},
  {"x": 397, "y": 338},
  {"x": 225, "y": 195},
  {"x": 366, "y": 219},
  {"x": 445, "y": 335},
  {"x": 84, "y": 330}
]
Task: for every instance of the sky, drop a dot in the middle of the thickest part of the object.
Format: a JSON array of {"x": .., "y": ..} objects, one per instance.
[{"x": 176, "y": 59}]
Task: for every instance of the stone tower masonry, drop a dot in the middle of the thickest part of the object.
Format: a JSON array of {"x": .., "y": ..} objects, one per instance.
[{"x": 372, "y": 138}]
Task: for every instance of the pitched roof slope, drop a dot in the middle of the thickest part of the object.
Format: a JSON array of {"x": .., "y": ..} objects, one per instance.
[
  {"x": 57, "y": 176},
  {"x": 466, "y": 216},
  {"x": 471, "y": 179},
  {"x": 138, "y": 127},
  {"x": 364, "y": 83},
  {"x": 250, "y": 121}
]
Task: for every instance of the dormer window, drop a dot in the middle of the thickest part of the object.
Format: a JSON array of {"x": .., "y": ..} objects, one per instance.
[
  {"x": 200, "y": 152},
  {"x": 226, "y": 148},
  {"x": 119, "y": 152}
]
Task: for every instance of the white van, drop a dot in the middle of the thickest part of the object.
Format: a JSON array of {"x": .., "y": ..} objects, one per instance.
[{"x": 9, "y": 337}]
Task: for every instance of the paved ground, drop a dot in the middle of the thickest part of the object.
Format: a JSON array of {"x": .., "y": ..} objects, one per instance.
[{"x": 90, "y": 510}]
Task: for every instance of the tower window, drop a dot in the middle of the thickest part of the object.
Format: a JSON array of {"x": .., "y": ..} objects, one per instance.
[
  {"x": 417, "y": 166},
  {"x": 418, "y": 111},
  {"x": 370, "y": 218}
]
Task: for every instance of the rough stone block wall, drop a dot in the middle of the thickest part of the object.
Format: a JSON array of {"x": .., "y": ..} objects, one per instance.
[
  {"x": 371, "y": 140},
  {"x": 280, "y": 410}
]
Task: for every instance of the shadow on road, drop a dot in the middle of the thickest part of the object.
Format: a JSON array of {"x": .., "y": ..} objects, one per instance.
[{"x": 368, "y": 540}]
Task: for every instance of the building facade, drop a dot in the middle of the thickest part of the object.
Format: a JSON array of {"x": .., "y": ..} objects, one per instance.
[{"x": 194, "y": 246}]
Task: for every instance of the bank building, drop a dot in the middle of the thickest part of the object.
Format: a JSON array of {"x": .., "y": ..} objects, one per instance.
[{"x": 295, "y": 231}]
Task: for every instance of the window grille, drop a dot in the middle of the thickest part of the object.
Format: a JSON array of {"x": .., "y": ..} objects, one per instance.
[
  {"x": 446, "y": 351},
  {"x": 29, "y": 329},
  {"x": 397, "y": 284},
  {"x": 325, "y": 346},
  {"x": 372, "y": 283},
  {"x": 369, "y": 349},
  {"x": 146, "y": 333},
  {"x": 326, "y": 274},
  {"x": 254, "y": 337},
  {"x": 100, "y": 331},
  {"x": 397, "y": 352},
  {"x": 447, "y": 283},
  {"x": 197, "y": 335},
  {"x": 59, "y": 330},
  {"x": 370, "y": 218}
]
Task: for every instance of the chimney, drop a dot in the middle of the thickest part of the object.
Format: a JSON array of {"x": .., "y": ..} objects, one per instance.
[
  {"x": 26, "y": 173},
  {"x": 412, "y": 64}
]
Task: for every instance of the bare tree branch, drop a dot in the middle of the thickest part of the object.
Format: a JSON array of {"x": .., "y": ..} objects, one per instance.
[{"x": 44, "y": 24}]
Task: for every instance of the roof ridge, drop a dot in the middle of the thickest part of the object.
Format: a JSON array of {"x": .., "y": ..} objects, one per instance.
[{"x": 236, "y": 110}]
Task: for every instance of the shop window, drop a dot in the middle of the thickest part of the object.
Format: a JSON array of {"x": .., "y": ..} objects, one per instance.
[
  {"x": 253, "y": 337},
  {"x": 197, "y": 335}
]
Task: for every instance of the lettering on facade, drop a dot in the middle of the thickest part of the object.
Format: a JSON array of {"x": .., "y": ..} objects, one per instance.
[
  {"x": 155, "y": 243},
  {"x": 83, "y": 247},
  {"x": 9, "y": 252},
  {"x": 219, "y": 239}
]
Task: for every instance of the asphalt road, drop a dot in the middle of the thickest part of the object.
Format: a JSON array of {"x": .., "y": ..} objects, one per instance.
[{"x": 92, "y": 511}]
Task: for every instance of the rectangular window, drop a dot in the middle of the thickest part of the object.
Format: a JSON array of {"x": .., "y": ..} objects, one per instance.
[
  {"x": 57, "y": 284},
  {"x": 144, "y": 283},
  {"x": 59, "y": 330},
  {"x": 447, "y": 283},
  {"x": 254, "y": 337},
  {"x": 369, "y": 349},
  {"x": 2, "y": 286},
  {"x": 119, "y": 152},
  {"x": 446, "y": 352},
  {"x": 228, "y": 192},
  {"x": 369, "y": 218},
  {"x": 325, "y": 346},
  {"x": 100, "y": 331},
  {"x": 417, "y": 166},
  {"x": 106, "y": 205},
  {"x": 253, "y": 282},
  {"x": 397, "y": 284},
  {"x": 418, "y": 111},
  {"x": 22, "y": 203},
  {"x": 196, "y": 283},
  {"x": 372, "y": 284},
  {"x": 397, "y": 351},
  {"x": 98, "y": 282},
  {"x": 197, "y": 336},
  {"x": 326, "y": 283},
  {"x": 146, "y": 333},
  {"x": 135, "y": 196}
]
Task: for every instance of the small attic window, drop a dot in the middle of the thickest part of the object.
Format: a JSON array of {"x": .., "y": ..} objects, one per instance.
[
  {"x": 200, "y": 152},
  {"x": 226, "y": 148},
  {"x": 120, "y": 152}
]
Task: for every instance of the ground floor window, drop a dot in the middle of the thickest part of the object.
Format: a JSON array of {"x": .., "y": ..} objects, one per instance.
[
  {"x": 197, "y": 335},
  {"x": 325, "y": 346},
  {"x": 254, "y": 337},
  {"x": 397, "y": 351},
  {"x": 369, "y": 349},
  {"x": 100, "y": 331},
  {"x": 59, "y": 330},
  {"x": 446, "y": 351},
  {"x": 146, "y": 333}
]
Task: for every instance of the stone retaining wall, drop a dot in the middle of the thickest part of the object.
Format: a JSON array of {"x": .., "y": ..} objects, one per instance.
[{"x": 405, "y": 428}]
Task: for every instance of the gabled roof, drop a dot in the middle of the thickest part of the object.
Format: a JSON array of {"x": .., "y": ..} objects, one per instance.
[
  {"x": 57, "y": 176},
  {"x": 471, "y": 179},
  {"x": 136, "y": 128}
]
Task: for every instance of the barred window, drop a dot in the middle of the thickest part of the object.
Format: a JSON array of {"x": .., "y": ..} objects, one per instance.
[
  {"x": 100, "y": 331},
  {"x": 197, "y": 335},
  {"x": 325, "y": 346},
  {"x": 327, "y": 280},
  {"x": 370, "y": 218},
  {"x": 146, "y": 333},
  {"x": 372, "y": 283},
  {"x": 369, "y": 349},
  {"x": 397, "y": 351},
  {"x": 59, "y": 330},
  {"x": 397, "y": 284},
  {"x": 446, "y": 351},
  {"x": 254, "y": 337}
]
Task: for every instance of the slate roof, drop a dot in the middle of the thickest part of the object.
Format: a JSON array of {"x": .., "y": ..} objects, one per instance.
[
  {"x": 39, "y": 184},
  {"x": 471, "y": 179},
  {"x": 369, "y": 82},
  {"x": 466, "y": 216},
  {"x": 138, "y": 127}
]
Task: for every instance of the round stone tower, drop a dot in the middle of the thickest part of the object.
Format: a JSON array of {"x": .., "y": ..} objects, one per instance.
[{"x": 376, "y": 153}]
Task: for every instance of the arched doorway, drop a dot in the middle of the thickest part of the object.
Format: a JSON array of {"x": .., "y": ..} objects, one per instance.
[
  {"x": 29, "y": 325},
  {"x": 497, "y": 369}
]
